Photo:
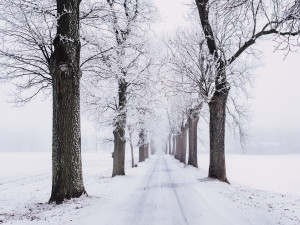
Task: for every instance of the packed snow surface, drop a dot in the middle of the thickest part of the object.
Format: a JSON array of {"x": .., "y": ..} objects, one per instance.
[{"x": 159, "y": 191}]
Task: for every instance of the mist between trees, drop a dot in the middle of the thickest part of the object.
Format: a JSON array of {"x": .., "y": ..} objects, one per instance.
[{"x": 100, "y": 56}]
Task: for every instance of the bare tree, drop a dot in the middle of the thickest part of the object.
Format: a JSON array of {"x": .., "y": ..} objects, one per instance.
[
  {"x": 192, "y": 69},
  {"x": 120, "y": 73},
  {"x": 177, "y": 118},
  {"x": 131, "y": 11},
  {"x": 37, "y": 61},
  {"x": 231, "y": 28},
  {"x": 67, "y": 181},
  {"x": 27, "y": 31},
  {"x": 141, "y": 111},
  {"x": 41, "y": 52},
  {"x": 140, "y": 117}
]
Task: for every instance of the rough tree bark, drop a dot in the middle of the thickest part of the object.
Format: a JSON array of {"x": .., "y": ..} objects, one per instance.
[
  {"x": 183, "y": 143},
  {"x": 192, "y": 127},
  {"x": 281, "y": 21},
  {"x": 178, "y": 147},
  {"x": 119, "y": 132},
  {"x": 217, "y": 105},
  {"x": 67, "y": 180}
]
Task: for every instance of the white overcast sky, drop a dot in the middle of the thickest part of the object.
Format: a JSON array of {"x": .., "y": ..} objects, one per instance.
[{"x": 275, "y": 106}]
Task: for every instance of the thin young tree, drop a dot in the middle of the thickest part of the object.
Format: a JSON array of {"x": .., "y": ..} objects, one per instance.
[
  {"x": 27, "y": 31},
  {"x": 141, "y": 110},
  {"x": 140, "y": 119}
]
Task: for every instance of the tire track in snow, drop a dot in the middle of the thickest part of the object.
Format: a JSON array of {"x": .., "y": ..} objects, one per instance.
[
  {"x": 175, "y": 192},
  {"x": 147, "y": 199},
  {"x": 138, "y": 216}
]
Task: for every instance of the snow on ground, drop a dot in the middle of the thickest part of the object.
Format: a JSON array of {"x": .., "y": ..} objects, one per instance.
[
  {"x": 277, "y": 173},
  {"x": 159, "y": 191}
]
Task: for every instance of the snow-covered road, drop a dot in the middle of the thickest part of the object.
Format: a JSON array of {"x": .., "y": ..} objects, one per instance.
[
  {"x": 165, "y": 193},
  {"x": 160, "y": 191}
]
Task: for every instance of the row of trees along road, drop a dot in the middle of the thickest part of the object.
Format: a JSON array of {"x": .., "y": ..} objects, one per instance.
[
  {"x": 43, "y": 51},
  {"x": 231, "y": 28},
  {"x": 52, "y": 46},
  {"x": 207, "y": 63}
]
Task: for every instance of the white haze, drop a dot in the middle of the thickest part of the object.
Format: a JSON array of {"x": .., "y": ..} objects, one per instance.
[{"x": 275, "y": 107}]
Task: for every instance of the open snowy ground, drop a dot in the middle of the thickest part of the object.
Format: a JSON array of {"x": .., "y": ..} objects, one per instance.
[
  {"x": 277, "y": 173},
  {"x": 159, "y": 191}
]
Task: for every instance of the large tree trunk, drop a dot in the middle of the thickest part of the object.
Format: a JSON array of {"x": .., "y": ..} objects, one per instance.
[
  {"x": 119, "y": 133},
  {"x": 217, "y": 105},
  {"x": 119, "y": 152},
  {"x": 217, "y": 110},
  {"x": 183, "y": 143},
  {"x": 67, "y": 181},
  {"x": 192, "y": 126}
]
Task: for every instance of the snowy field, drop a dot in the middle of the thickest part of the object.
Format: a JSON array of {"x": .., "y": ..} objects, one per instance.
[
  {"x": 159, "y": 191},
  {"x": 277, "y": 173}
]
